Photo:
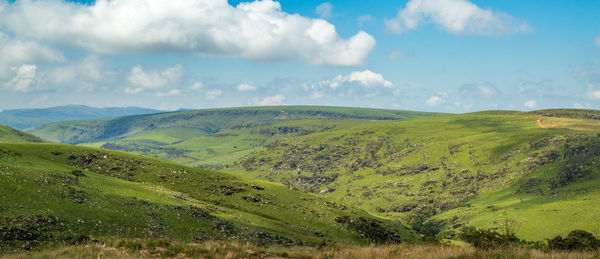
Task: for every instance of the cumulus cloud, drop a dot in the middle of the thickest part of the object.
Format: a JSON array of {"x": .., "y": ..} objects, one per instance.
[
  {"x": 324, "y": 10},
  {"x": 150, "y": 79},
  {"x": 365, "y": 78},
  {"x": 434, "y": 101},
  {"x": 213, "y": 94},
  {"x": 257, "y": 30},
  {"x": 246, "y": 87},
  {"x": 272, "y": 100},
  {"x": 23, "y": 79},
  {"x": 531, "y": 104},
  {"x": 459, "y": 17},
  {"x": 15, "y": 52}
]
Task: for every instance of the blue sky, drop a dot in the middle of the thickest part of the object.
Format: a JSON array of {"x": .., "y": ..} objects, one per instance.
[{"x": 432, "y": 55}]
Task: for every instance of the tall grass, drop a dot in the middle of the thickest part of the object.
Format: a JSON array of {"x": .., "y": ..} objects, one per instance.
[{"x": 212, "y": 249}]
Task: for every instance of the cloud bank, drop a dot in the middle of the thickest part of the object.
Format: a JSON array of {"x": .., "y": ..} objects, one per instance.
[
  {"x": 257, "y": 30},
  {"x": 459, "y": 17}
]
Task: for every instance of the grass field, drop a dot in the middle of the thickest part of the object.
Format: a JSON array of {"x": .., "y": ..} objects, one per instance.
[
  {"x": 58, "y": 193},
  {"x": 211, "y": 249}
]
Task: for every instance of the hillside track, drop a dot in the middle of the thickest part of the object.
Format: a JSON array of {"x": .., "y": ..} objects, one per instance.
[{"x": 539, "y": 122}]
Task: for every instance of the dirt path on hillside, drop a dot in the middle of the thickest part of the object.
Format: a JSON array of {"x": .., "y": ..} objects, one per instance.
[{"x": 539, "y": 122}]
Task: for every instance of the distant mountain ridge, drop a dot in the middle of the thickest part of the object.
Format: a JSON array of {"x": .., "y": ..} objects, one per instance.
[{"x": 31, "y": 118}]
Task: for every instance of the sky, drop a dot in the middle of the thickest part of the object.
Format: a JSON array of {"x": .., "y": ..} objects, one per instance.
[{"x": 430, "y": 55}]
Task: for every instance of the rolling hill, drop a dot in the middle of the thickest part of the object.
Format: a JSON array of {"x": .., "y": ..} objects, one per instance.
[
  {"x": 62, "y": 194},
  {"x": 8, "y": 134},
  {"x": 31, "y": 118},
  {"x": 439, "y": 173},
  {"x": 210, "y": 137}
]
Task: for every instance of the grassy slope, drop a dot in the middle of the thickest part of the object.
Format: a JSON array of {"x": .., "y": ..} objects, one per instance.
[
  {"x": 469, "y": 169},
  {"x": 111, "y": 194},
  {"x": 210, "y": 137},
  {"x": 8, "y": 134}
]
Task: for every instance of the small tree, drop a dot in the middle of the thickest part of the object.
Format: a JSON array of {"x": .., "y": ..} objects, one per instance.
[{"x": 510, "y": 226}]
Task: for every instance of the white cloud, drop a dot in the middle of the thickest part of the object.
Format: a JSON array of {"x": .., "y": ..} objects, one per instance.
[
  {"x": 534, "y": 88},
  {"x": 597, "y": 41},
  {"x": 86, "y": 70},
  {"x": 324, "y": 10},
  {"x": 394, "y": 54},
  {"x": 484, "y": 90},
  {"x": 593, "y": 94},
  {"x": 366, "y": 78},
  {"x": 531, "y": 104},
  {"x": 364, "y": 19},
  {"x": 40, "y": 99},
  {"x": 213, "y": 94},
  {"x": 132, "y": 90},
  {"x": 23, "y": 79},
  {"x": 591, "y": 74},
  {"x": 15, "y": 52},
  {"x": 272, "y": 100},
  {"x": 154, "y": 79},
  {"x": 459, "y": 17},
  {"x": 257, "y": 30},
  {"x": 196, "y": 85},
  {"x": 487, "y": 91},
  {"x": 246, "y": 87},
  {"x": 434, "y": 101},
  {"x": 316, "y": 95},
  {"x": 171, "y": 92}
]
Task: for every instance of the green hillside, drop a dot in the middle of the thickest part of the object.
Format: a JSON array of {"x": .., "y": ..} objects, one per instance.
[
  {"x": 31, "y": 118},
  {"x": 65, "y": 194},
  {"x": 210, "y": 137},
  {"x": 439, "y": 173},
  {"x": 8, "y": 134}
]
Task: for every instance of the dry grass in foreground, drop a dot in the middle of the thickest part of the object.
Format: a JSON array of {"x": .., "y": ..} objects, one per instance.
[{"x": 164, "y": 249}]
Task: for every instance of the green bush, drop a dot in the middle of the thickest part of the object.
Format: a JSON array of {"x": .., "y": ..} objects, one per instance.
[
  {"x": 487, "y": 239},
  {"x": 579, "y": 240},
  {"x": 133, "y": 245}
]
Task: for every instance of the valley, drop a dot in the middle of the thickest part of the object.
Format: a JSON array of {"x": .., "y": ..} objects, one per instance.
[
  {"x": 289, "y": 176},
  {"x": 210, "y": 137}
]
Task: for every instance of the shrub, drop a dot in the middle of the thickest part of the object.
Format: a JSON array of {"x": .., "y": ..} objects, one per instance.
[
  {"x": 133, "y": 245},
  {"x": 576, "y": 240},
  {"x": 487, "y": 239}
]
